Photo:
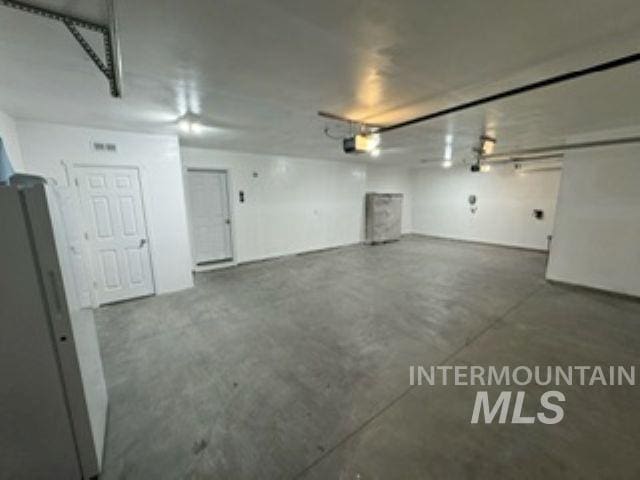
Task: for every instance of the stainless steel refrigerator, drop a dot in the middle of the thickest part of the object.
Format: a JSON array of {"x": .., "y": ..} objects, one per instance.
[{"x": 53, "y": 398}]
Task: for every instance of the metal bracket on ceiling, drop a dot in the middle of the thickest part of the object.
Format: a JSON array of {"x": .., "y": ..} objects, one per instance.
[
  {"x": 363, "y": 127},
  {"x": 110, "y": 67},
  {"x": 558, "y": 149}
]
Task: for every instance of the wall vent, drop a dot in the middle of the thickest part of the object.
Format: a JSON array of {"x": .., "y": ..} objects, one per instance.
[{"x": 104, "y": 147}]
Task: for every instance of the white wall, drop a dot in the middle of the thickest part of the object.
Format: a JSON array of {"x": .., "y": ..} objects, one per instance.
[
  {"x": 597, "y": 232},
  {"x": 390, "y": 179},
  {"x": 45, "y": 146},
  {"x": 293, "y": 205},
  {"x": 506, "y": 200},
  {"x": 9, "y": 135}
]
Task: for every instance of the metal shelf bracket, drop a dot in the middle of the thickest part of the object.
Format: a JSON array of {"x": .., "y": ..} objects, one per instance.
[{"x": 111, "y": 66}]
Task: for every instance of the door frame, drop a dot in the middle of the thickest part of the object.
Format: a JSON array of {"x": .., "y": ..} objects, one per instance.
[
  {"x": 232, "y": 234},
  {"x": 86, "y": 250}
]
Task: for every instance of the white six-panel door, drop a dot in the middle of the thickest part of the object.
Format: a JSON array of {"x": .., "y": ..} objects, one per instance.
[
  {"x": 209, "y": 216},
  {"x": 116, "y": 232}
]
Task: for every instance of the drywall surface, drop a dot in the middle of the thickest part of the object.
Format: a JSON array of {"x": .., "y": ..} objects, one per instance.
[
  {"x": 597, "y": 232},
  {"x": 291, "y": 205},
  {"x": 505, "y": 203},
  {"x": 390, "y": 179},
  {"x": 9, "y": 136},
  {"x": 53, "y": 150}
]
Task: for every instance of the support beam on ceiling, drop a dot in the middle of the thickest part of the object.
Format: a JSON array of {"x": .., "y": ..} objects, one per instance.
[
  {"x": 110, "y": 67},
  {"x": 565, "y": 77}
]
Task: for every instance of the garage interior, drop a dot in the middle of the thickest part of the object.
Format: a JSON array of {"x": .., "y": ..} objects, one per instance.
[{"x": 265, "y": 212}]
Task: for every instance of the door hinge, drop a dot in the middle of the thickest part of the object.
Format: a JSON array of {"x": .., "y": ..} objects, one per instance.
[
  {"x": 86, "y": 236},
  {"x": 75, "y": 180}
]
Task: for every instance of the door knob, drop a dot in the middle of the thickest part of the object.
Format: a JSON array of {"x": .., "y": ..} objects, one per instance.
[{"x": 143, "y": 242}]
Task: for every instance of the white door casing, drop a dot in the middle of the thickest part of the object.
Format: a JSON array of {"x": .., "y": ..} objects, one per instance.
[
  {"x": 66, "y": 218},
  {"x": 116, "y": 232},
  {"x": 209, "y": 216}
]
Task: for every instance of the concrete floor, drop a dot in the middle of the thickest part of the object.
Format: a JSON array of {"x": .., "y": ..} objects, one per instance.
[{"x": 298, "y": 368}]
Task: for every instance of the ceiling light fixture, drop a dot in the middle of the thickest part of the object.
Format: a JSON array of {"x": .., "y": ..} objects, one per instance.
[
  {"x": 448, "y": 151},
  {"x": 189, "y": 124},
  {"x": 485, "y": 168},
  {"x": 196, "y": 127},
  {"x": 184, "y": 125},
  {"x": 375, "y": 153},
  {"x": 374, "y": 141}
]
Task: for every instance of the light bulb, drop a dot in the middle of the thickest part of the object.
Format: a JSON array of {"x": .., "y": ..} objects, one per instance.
[
  {"x": 448, "y": 152},
  {"x": 184, "y": 125},
  {"x": 373, "y": 141},
  {"x": 190, "y": 124},
  {"x": 196, "y": 127}
]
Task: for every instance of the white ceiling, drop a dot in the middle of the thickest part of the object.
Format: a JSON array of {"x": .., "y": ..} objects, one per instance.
[{"x": 258, "y": 71}]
